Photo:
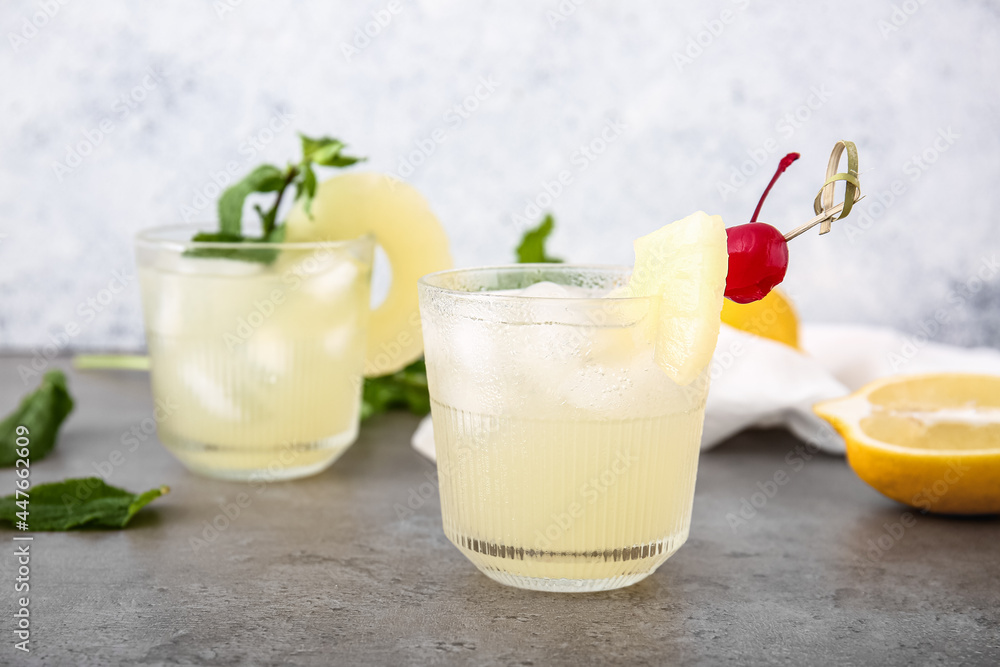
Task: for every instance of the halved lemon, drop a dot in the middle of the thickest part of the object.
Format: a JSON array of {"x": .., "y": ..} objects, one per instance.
[
  {"x": 929, "y": 441},
  {"x": 358, "y": 203},
  {"x": 684, "y": 265},
  {"x": 772, "y": 317}
]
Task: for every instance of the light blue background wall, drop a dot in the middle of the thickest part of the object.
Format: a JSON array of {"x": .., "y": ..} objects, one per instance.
[{"x": 173, "y": 91}]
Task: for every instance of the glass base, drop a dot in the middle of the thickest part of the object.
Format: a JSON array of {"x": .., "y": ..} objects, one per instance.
[
  {"x": 254, "y": 475},
  {"x": 257, "y": 464},
  {"x": 568, "y": 572},
  {"x": 565, "y": 585}
]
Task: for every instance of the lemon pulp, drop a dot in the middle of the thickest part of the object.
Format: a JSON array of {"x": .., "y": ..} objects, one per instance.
[{"x": 930, "y": 441}]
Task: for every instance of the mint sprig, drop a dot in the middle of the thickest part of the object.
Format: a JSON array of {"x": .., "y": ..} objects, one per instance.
[{"x": 267, "y": 178}]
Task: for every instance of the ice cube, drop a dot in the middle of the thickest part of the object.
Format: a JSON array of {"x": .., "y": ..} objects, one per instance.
[
  {"x": 332, "y": 282},
  {"x": 465, "y": 363},
  {"x": 550, "y": 290},
  {"x": 268, "y": 352},
  {"x": 210, "y": 393},
  {"x": 546, "y": 289},
  {"x": 200, "y": 296},
  {"x": 337, "y": 341},
  {"x": 594, "y": 388},
  {"x": 207, "y": 266},
  {"x": 468, "y": 345},
  {"x": 628, "y": 389}
]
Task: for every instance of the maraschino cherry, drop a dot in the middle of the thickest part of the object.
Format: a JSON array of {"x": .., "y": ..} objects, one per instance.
[{"x": 758, "y": 253}]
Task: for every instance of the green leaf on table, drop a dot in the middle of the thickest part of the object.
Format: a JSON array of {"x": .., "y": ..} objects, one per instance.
[
  {"x": 77, "y": 503},
  {"x": 41, "y": 412},
  {"x": 532, "y": 248},
  {"x": 265, "y": 178},
  {"x": 326, "y": 151},
  {"x": 406, "y": 388}
]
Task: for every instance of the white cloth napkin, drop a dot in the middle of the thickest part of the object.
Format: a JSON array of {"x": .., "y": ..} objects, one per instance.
[{"x": 758, "y": 382}]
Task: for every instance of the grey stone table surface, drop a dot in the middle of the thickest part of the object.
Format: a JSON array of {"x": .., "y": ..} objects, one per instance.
[{"x": 326, "y": 570}]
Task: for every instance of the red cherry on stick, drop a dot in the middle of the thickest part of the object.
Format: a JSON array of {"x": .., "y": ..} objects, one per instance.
[
  {"x": 758, "y": 259},
  {"x": 758, "y": 253}
]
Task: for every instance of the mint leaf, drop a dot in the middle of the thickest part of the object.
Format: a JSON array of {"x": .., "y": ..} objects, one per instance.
[
  {"x": 532, "y": 247},
  {"x": 217, "y": 237},
  {"x": 406, "y": 388},
  {"x": 247, "y": 253},
  {"x": 310, "y": 146},
  {"x": 265, "y": 178},
  {"x": 78, "y": 503},
  {"x": 326, "y": 151},
  {"x": 42, "y": 412},
  {"x": 305, "y": 189}
]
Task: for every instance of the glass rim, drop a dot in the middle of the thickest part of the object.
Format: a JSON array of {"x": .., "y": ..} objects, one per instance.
[
  {"x": 154, "y": 237},
  {"x": 427, "y": 281}
]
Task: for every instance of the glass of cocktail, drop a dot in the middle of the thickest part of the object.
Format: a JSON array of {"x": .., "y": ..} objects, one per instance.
[
  {"x": 568, "y": 401},
  {"x": 566, "y": 456},
  {"x": 256, "y": 350}
]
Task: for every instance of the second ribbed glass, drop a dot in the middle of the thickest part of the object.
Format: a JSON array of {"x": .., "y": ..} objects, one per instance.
[
  {"x": 257, "y": 350},
  {"x": 566, "y": 456}
]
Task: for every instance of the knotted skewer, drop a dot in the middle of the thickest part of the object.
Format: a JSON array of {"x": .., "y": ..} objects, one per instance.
[{"x": 826, "y": 211}]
